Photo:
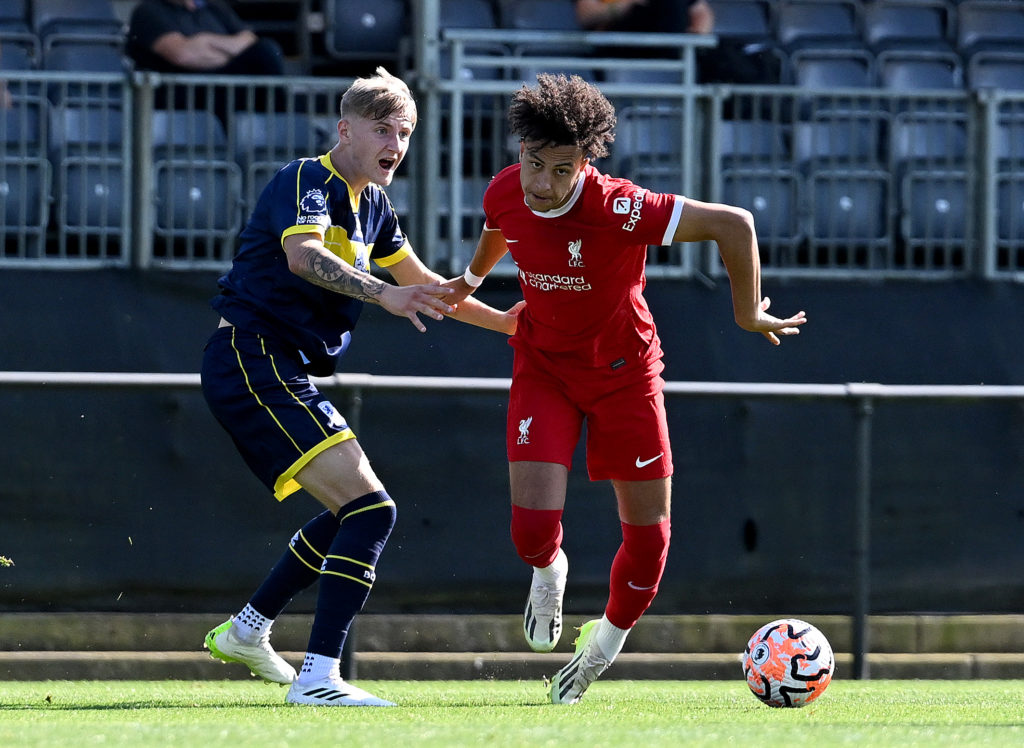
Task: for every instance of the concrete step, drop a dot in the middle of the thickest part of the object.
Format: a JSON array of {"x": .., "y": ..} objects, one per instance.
[
  {"x": 120, "y": 665},
  {"x": 100, "y": 646},
  {"x": 911, "y": 634}
]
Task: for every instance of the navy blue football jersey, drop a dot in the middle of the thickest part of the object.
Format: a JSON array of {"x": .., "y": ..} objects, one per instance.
[{"x": 260, "y": 294}]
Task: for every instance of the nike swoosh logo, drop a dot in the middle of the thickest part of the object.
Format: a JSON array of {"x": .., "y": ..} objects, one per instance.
[
  {"x": 644, "y": 463},
  {"x": 636, "y": 586}
]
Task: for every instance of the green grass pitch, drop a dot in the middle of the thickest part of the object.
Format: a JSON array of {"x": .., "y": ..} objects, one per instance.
[{"x": 619, "y": 714}]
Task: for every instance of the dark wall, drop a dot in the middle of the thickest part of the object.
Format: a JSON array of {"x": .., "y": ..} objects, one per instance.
[{"x": 135, "y": 500}]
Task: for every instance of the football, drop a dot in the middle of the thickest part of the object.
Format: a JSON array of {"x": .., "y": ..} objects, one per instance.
[{"x": 788, "y": 663}]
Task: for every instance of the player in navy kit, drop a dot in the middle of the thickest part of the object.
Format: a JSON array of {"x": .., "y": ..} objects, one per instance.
[
  {"x": 288, "y": 305},
  {"x": 586, "y": 349}
]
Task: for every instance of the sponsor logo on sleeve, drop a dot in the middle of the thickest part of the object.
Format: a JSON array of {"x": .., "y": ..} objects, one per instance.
[{"x": 634, "y": 211}]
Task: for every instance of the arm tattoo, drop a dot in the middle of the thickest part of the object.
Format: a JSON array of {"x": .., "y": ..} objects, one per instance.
[{"x": 335, "y": 275}]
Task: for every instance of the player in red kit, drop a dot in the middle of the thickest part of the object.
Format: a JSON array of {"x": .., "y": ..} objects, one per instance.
[{"x": 586, "y": 349}]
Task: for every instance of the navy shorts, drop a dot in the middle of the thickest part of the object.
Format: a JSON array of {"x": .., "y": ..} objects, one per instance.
[{"x": 259, "y": 392}]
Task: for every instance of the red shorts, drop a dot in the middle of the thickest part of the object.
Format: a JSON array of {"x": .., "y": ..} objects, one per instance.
[{"x": 627, "y": 430}]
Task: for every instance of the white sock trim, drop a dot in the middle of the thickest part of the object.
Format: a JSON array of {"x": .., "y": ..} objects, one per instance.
[
  {"x": 250, "y": 625},
  {"x": 555, "y": 573},
  {"x": 316, "y": 667},
  {"x": 610, "y": 638}
]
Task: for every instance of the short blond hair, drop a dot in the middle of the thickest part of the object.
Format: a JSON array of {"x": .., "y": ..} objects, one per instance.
[{"x": 377, "y": 97}]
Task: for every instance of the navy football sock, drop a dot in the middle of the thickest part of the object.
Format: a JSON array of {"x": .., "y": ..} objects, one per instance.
[
  {"x": 298, "y": 568},
  {"x": 348, "y": 570}
]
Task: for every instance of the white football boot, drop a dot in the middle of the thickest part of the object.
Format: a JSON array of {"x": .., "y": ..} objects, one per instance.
[
  {"x": 332, "y": 691},
  {"x": 542, "y": 618},
  {"x": 225, "y": 645}
]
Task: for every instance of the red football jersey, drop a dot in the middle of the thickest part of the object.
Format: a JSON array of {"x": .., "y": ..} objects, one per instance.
[{"x": 581, "y": 266}]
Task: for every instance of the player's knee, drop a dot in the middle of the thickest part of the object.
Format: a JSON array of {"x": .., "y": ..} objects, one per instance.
[
  {"x": 374, "y": 515},
  {"x": 648, "y": 543},
  {"x": 536, "y": 534}
]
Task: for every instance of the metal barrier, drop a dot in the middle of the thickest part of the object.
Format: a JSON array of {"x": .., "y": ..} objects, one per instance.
[{"x": 862, "y": 396}]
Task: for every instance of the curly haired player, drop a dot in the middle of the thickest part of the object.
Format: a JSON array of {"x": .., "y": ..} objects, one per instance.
[{"x": 586, "y": 349}]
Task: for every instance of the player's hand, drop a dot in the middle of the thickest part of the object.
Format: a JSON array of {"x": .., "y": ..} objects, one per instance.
[
  {"x": 459, "y": 289},
  {"x": 512, "y": 317},
  {"x": 412, "y": 301},
  {"x": 772, "y": 327}
]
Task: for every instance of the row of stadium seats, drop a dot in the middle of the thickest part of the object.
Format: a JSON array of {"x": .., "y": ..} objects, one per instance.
[
  {"x": 941, "y": 43},
  {"x": 898, "y": 43},
  {"x": 844, "y": 180},
  {"x": 82, "y": 35},
  {"x": 827, "y": 179},
  {"x": 65, "y": 165},
  {"x": 958, "y": 25}
]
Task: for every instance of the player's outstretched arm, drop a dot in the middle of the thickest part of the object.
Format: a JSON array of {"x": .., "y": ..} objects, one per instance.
[
  {"x": 732, "y": 229},
  {"x": 410, "y": 270},
  {"x": 310, "y": 260},
  {"x": 489, "y": 250}
]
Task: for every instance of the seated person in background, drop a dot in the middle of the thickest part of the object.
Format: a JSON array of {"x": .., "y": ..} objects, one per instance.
[
  {"x": 645, "y": 15},
  {"x": 732, "y": 61},
  {"x": 192, "y": 36}
]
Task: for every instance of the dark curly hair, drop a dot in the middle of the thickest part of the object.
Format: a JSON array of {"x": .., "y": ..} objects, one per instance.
[{"x": 563, "y": 111}]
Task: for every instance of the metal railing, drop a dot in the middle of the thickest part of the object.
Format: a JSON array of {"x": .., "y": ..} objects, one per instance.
[{"x": 863, "y": 397}]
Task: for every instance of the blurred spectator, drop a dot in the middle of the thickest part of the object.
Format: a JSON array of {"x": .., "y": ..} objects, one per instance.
[
  {"x": 732, "y": 61},
  {"x": 191, "y": 36},
  {"x": 692, "y": 16}
]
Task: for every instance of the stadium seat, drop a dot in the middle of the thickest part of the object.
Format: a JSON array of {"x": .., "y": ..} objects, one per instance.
[
  {"x": 25, "y": 172},
  {"x": 264, "y": 142},
  {"x": 1010, "y": 210},
  {"x": 472, "y": 14},
  {"x": 75, "y": 18},
  {"x": 995, "y": 69},
  {"x": 14, "y": 16},
  {"x": 774, "y": 197},
  {"x": 86, "y": 151},
  {"x": 468, "y": 14},
  {"x": 746, "y": 20},
  {"x": 538, "y": 15},
  {"x": 833, "y": 68},
  {"x": 986, "y": 25},
  {"x": 17, "y": 54},
  {"x": 849, "y": 208},
  {"x": 907, "y": 24},
  {"x": 759, "y": 143},
  {"x": 919, "y": 70},
  {"x": 831, "y": 24},
  {"x": 365, "y": 29},
  {"x": 87, "y": 57},
  {"x": 198, "y": 187},
  {"x": 19, "y": 51},
  {"x": 936, "y": 140},
  {"x": 647, "y": 136},
  {"x": 542, "y": 15},
  {"x": 934, "y": 206},
  {"x": 849, "y": 139},
  {"x": 1009, "y": 142}
]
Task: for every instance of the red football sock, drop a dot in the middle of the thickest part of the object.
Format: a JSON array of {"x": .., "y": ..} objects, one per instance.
[
  {"x": 636, "y": 572},
  {"x": 536, "y": 534}
]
